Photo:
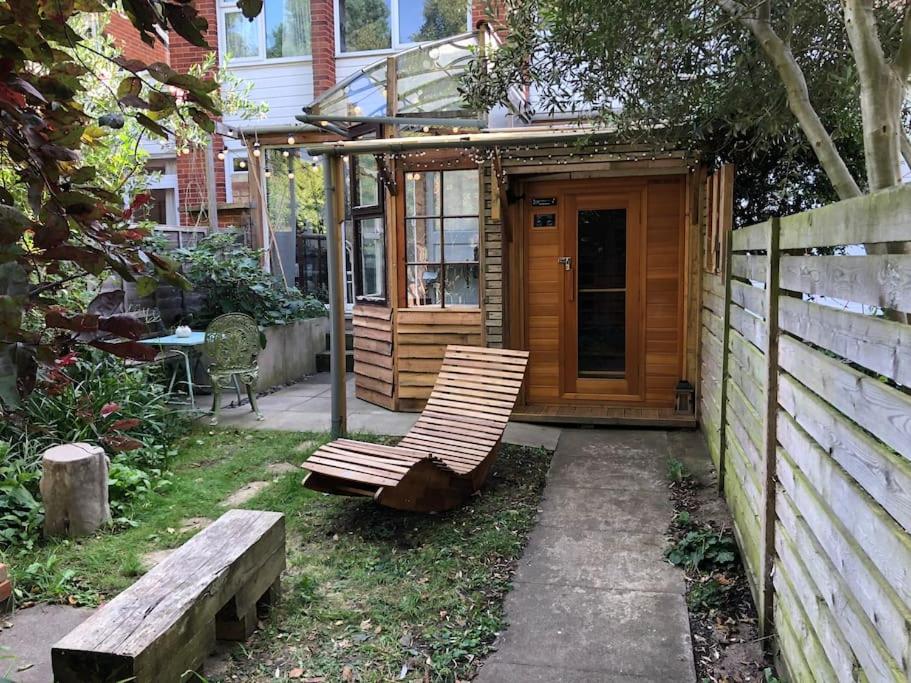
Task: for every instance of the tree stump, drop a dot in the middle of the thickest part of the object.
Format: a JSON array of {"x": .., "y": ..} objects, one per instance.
[{"x": 74, "y": 486}]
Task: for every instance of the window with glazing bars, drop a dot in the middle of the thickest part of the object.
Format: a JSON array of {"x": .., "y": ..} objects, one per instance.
[{"x": 442, "y": 238}]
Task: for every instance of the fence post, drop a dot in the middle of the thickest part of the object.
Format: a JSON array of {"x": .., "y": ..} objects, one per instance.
[
  {"x": 770, "y": 438},
  {"x": 726, "y": 249}
]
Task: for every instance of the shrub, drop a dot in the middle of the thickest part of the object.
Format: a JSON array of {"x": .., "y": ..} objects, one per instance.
[
  {"x": 231, "y": 278},
  {"x": 91, "y": 397}
]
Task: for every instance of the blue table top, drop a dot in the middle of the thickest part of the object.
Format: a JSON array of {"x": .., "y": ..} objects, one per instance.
[{"x": 195, "y": 339}]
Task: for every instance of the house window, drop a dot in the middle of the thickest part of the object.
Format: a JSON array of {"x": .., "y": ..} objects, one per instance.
[
  {"x": 442, "y": 238},
  {"x": 162, "y": 189},
  {"x": 282, "y": 30},
  {"x": 369, "y": 230},
  {"x": 238, "y": 189},
  {"x": 366, "y": 25}
]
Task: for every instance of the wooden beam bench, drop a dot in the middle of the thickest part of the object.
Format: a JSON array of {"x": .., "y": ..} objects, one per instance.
[{"x": 163, "y": 626}]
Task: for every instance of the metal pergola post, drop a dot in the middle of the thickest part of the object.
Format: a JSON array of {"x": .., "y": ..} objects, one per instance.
[{"x": 335, "y": 256}]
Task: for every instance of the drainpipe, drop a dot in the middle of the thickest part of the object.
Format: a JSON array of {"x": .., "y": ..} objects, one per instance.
[{"x": 336, "y": 262}]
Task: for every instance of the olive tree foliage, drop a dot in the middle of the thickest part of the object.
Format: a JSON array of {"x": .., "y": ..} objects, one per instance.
[
  {"x": 805, "y": 96},
  {"x": 70, "y": 108}
]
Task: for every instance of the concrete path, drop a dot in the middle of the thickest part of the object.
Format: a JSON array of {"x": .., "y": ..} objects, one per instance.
[
  {"x": 25, "y": 647},
  {"x": 593, "y": 598},
  {"x": 306, "y": 406}
]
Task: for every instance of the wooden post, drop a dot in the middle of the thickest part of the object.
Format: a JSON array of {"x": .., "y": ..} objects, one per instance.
[
  {"x": 724, "y": 206},
  {"x": 770, "y": 438},
  {"x": 334, "y": 210},
  {"x": 211, "y": 195},
  {"x": 74, "y": 487}
]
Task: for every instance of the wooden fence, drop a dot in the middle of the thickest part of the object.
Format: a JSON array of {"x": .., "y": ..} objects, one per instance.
[{"x": 806, "y": 410}]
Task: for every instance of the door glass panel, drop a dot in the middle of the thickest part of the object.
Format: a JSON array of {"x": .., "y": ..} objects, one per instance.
[{"x": 602, "y": 293}]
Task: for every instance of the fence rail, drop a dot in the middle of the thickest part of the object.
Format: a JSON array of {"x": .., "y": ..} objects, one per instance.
[{"x": 807, "y": 413}]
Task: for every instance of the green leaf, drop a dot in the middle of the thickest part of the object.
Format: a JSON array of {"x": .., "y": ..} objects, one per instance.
[
  {"x": 202, "y": 120},
  {"x": 131, "y": 85},
  {"x": 146, "y": 286},
  {"x": 151, "y": 125},
  {"x": 12, "y": 224}
]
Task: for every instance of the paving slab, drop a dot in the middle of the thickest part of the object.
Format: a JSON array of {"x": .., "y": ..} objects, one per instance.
[
  {"x": 244, "y": 493},
  {"x": 598, "y": 559},
  {"x": 630, "y": 633},
  {"x": 605, "y": 509},
  {"x": 593, "y": 597},
  {"x": 620, "y": 470},
  {"x": 493, "y": 672},
  {"x": 29, "y": 640},
  {"x": 531, "y": 435}
]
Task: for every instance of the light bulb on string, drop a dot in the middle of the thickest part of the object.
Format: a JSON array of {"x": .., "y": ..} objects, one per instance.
[{"x": 290, "y": 139}]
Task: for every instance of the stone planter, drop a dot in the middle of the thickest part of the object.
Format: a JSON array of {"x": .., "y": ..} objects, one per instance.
[
  {"x": 290, "y": 351},
  {"x": 290, "y": 354}
]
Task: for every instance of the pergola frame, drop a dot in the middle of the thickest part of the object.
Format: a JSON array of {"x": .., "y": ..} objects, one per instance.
[{"x": 334, "y": 212}]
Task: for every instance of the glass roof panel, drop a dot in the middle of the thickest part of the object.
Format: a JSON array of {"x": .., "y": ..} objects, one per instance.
[{"x": 427, "y": 82}]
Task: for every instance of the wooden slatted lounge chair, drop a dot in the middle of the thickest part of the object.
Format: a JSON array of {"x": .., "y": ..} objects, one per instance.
[{"x": 448, "y": 453}]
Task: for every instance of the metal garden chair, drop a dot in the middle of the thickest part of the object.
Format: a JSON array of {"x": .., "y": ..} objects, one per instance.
[{"x": 232, "y": 344}]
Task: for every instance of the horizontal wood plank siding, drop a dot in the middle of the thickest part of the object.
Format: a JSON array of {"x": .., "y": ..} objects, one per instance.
[
  {"x": 839, "y": 555},
  {"x": 374, "y": 360},
  {"x": 421, "y": 339}
]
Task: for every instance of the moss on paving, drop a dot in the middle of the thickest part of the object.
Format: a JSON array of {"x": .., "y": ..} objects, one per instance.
[{"x": 370, "y": 594}]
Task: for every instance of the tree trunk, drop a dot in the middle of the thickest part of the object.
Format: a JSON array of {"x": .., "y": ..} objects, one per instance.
[
  {"x": 881, "y": 92},
  {"x": 74, "y": 487},
  {"x": 756, "y": 20}
]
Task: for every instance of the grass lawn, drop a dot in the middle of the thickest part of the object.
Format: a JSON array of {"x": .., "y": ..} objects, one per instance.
[{"x": 370, "y": 594}]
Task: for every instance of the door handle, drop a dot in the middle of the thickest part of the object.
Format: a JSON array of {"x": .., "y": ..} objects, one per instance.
[{"x": 567, "y": 263}]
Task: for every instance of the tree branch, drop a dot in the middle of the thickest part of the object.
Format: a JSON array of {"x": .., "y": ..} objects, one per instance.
[
  {"x": 880, "y": 96},
  {"x": 905, "y": 148},
  {"x": 902, "y": 60},
  {"x": 798, "y": 97}
]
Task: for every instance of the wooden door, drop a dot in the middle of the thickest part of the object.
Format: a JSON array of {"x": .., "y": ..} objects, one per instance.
[
  {"x": 584, "y": 265},
  {"x": 601, "y": 308}
]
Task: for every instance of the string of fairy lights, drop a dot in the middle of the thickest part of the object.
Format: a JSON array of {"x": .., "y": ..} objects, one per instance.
[{"x": 501, "y": 156}]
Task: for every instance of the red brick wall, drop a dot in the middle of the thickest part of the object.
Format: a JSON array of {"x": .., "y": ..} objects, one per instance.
[
  {"x": 493, "y": 12},
  {"x": 126, "y": 37},
  {"x": 191, "y": 169},
  {"x": 322, "y": 14}
]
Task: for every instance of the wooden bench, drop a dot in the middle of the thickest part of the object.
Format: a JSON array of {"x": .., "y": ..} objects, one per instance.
[
  {"x": 448, "y": 453},
  {"x": 163, "y": 626}
]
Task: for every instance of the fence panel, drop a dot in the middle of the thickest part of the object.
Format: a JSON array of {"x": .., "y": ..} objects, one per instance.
[{"x": 808, "y": 413}]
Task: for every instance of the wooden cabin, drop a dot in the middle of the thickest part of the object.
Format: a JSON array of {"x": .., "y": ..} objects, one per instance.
[
  {"x": 549, "y": 238},
  {"x": 587, "y": 257}
]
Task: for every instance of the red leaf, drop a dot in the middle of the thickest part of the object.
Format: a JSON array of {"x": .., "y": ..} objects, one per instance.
[
  {"x": 128, "y": 349},
  {"x": 123, "y": 325},
  {"x": 109, "y": 409},
  {"x": 77, "y": 323},
  {"x": 121, "y": 442},
  {"x": 67, "y": 360},
  {"x": 126, "y": 423}
]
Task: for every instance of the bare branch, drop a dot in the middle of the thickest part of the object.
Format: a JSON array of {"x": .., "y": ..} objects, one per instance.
[{"x": 798, "y": 97}]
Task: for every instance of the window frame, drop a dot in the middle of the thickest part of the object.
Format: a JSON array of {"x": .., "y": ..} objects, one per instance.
[
  {"x": 441, "y": 166},
  {"x": 225, "y": 7},
  {"x": 397, "y": 45},
  {"x": 361, "y": 213},
  {"x": 230, "y": 156}
]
